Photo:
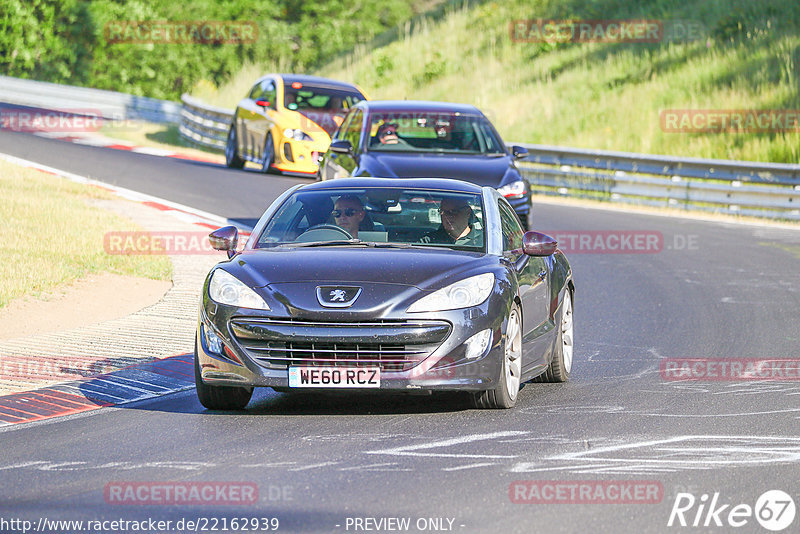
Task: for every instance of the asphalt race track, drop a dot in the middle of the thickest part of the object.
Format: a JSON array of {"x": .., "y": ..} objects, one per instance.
[{"x": 708, "y": 290}]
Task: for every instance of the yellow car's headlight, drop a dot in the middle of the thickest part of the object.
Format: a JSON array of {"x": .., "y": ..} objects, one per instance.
[{"x": 297, "y": 134}]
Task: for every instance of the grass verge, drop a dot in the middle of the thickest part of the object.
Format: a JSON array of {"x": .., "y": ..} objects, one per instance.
[
  {"x": 157, "y": 135},
  {"x": 52, "y": 235},
  {"x": 601, "y": 95}
]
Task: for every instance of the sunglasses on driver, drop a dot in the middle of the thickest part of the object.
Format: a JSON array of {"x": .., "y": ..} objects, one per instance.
[{"x": 347, "y": 212}]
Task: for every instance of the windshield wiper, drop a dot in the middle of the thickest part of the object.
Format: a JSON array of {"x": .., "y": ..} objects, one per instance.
[
  {"x": 346, "y": 242},
  {"x": 381, "y": 244},
  {"x": 335, "y": 243}
]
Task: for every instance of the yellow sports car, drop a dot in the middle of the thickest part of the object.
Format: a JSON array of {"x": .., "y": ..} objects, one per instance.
[{"x": 286, "y": 121}]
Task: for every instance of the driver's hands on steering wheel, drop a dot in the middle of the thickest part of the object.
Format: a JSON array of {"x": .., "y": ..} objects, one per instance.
[{"x": 324, "y": 232}]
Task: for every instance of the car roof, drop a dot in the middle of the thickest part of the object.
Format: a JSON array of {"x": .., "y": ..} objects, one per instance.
[
  {"x": 425, "y": 106},
  {"x": 317, "y": 81},
  {"x": 439, "y": 184}
]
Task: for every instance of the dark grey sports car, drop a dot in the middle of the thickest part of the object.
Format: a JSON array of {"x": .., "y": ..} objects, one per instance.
[{"x": 419, "y": 285}]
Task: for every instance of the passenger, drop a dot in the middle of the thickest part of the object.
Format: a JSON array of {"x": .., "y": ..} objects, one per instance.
[
  {"x": 290, "y": 100},
  {"x": 457, "y": 226}
]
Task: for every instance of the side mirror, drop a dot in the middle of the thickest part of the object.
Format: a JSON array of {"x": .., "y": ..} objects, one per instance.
[
  {"x": 225, "y": 238},
  {"x": 342, "y": 146},
  {"x": 538, "y": 244},
  {"x": 263, "y": 103},
  {"x": 519, "y": 152}
]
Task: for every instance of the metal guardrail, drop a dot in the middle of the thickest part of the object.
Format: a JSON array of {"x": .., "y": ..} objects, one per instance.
[
  {"x": 735, "y": 187},
  {"x": 769, "y": 190},
  {"x": 83, "y": 100},
  {"x": 203, "y": 124}
]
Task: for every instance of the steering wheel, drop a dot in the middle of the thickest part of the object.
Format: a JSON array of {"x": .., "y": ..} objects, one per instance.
[{"x": 324, "y": 232}]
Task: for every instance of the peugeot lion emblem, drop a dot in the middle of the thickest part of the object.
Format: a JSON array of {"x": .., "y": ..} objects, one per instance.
[{"x": 337, "y": 296}]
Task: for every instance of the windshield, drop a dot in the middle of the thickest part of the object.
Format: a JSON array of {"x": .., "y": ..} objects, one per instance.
[
  {"x": 433, "y": 132},
  {"x": 299, "y": 97},
  {"x": 324, "y": 107},
  {"x": 378, "y": 217}
]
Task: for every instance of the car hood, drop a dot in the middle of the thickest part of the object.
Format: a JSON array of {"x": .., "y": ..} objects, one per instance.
[
  {"x": 480, "y": 170},
  {"x": 345, "y": 265}
]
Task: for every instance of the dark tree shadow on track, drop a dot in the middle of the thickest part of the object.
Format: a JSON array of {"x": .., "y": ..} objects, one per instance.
[{"x": 267, "y": 402}]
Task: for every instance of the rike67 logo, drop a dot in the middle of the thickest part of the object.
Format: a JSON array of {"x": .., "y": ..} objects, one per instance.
[{"x": 774, "y": 510}]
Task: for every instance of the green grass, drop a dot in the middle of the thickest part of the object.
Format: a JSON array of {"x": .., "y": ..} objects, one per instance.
[
  {"x": 600, "y": 95},
  {"x": 52, "y": 235},
  {"x": 157, "y": 135}
]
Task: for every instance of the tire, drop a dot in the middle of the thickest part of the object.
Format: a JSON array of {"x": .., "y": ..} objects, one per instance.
[
  {"x": 232, "y": 159},
  {"x": 561, "y": 366},
  {"x": 507, "y": 390},
  {"x": 219, "y": 397},
  {"x": 268, "y": 157}
]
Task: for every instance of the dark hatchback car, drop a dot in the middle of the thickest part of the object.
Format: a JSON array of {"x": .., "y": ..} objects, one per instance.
[
  {"x": 386, "y": 285},
  {"x": 408, "y": 139}
]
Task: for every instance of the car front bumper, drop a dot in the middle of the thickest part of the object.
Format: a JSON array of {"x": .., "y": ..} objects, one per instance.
[
  {"x": 300, "y": 157},
  {"x": 442, "y": 367}
]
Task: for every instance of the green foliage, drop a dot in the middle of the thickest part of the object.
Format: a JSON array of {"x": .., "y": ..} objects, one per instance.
[
  {"x": 45, "y": 39},
  {"x": 601, "y": 95},
  {"x": 66, "y": 41}
]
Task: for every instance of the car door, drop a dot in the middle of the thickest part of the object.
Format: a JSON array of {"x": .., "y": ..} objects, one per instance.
[
  {"x": 533, "y": 290},
  {"x": 263, "y": 119},
  {"x": 330, "y": 169},
  {"x": 245, "y": 115},
  {"x": 346, "y": 163}
]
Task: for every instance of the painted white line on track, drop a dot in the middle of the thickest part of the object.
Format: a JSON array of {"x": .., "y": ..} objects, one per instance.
[
  {"x": 129, "y": 194},
  {"x": 412, "y": 450},
  {"x": 152, "y": 151},
  {"x": 312, "y": 466},
  {"x": 89, "y": 141},
  {"x": 638, "y": 209},
  {"x": 468, "y": 466}
]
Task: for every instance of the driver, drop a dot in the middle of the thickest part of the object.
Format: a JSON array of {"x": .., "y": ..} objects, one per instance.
[
  {"x": 387, "y": 135},
  {"x": 348, "y": 212}
]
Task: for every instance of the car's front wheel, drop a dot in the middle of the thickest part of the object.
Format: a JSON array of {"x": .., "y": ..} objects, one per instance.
[
  {"x": 219, "y": 397},
  {"x": 561, "y": 365},
  {"x": 268, "y": 158},
  {"x": 232, "y": 159},
  {"x": 505, "y": 394}
]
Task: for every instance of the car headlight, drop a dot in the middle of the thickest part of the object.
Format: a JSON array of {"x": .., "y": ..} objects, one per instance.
[
  {"x": 297, "y": 134},
  {"x": 227, "y": 289},
  {"x": 513, "y": 190},
  {"x": 462, "y": 294}
]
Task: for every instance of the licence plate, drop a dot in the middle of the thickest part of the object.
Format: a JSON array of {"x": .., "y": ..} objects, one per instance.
[{"x": 334, "y": 377}]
